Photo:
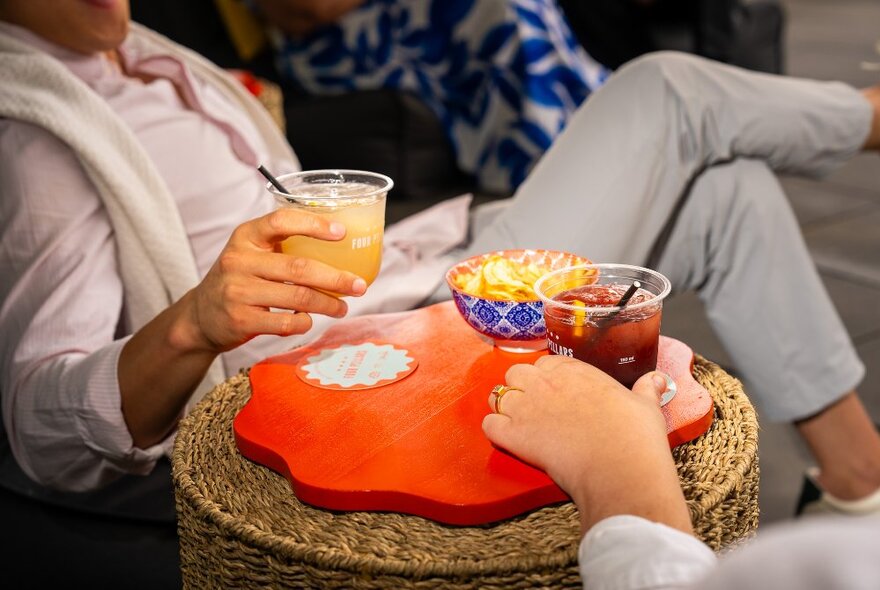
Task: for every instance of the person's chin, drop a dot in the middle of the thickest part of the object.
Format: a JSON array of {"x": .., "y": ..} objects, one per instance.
[
  {"x": 107, "y": 39},
  {"x": 109, "y": 35}
]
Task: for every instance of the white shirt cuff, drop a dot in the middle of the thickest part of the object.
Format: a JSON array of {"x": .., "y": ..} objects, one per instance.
[
  {"x": 629, "y": 552},
  {"x": 100, "y": 421}
]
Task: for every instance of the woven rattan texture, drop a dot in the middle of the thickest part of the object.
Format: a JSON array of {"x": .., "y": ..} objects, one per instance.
[{"x": 241, "y": 526}]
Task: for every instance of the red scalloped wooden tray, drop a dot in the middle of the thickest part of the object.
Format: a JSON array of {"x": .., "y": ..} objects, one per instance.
[{"x": 416, "y": 446}]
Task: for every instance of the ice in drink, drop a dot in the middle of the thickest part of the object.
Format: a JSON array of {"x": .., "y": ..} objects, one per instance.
[{"x": 624, "y": 345}]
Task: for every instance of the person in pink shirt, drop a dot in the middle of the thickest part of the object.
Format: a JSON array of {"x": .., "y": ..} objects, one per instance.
[{"x": 138, "y": 244}]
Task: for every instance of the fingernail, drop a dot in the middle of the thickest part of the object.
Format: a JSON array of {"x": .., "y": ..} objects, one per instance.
[
  {"x": 337, "y": 229},
  {"x": 359, "y": 286},
  {"x": 660, "y": 380}
]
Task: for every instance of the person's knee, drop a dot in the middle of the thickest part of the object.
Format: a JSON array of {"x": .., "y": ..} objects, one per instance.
[
  {"x": 671, "y": 69},
  {"x": 732, "y": 213}
]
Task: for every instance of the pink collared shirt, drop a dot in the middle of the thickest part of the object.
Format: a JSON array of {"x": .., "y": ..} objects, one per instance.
[{"x": 61, "y": 294}]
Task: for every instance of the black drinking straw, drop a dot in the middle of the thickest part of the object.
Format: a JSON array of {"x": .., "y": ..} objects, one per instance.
[
  {"x": 604, "y": 323},
  {"x": 629, "y": 293},
  {"x": 272, "y": 179},
  {"x": 622, "y": 303}
]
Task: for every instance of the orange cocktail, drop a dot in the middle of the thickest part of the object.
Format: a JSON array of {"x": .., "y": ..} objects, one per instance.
[{"x": 353, "y": 198}]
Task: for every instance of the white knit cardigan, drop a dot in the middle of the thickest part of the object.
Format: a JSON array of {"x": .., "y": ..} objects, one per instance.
[{"x": 154, "y": 254}]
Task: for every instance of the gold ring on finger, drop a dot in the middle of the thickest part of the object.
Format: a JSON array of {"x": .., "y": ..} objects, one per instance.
[{"x": 499, "y": 391}]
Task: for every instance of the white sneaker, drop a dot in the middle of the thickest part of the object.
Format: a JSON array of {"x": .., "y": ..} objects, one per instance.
[{"x": 815, "y": 500}]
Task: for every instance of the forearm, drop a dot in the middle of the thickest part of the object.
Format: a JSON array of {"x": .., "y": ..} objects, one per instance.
[
  {"x": 166, "y": 359},
  {"x": 158, "y": 370}
]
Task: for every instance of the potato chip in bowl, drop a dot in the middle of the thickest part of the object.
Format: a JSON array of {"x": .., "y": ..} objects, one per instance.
[
  {"x": 499, "y": 277},
  {"x": 495, "y": 296}
]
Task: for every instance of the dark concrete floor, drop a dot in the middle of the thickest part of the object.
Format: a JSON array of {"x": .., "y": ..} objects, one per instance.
[{"x": 840, "y": 218}]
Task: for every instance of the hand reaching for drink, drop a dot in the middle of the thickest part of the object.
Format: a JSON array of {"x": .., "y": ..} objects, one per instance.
[{"x": 603, "y": 444}]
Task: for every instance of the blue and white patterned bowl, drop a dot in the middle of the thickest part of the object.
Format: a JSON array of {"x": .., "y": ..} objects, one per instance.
[{"x": 514, "y": 326}]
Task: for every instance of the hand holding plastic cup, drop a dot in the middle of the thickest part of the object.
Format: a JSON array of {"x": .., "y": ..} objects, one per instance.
[
  {"x": 584, "y": 320},
  {"x": 352, "y": 197}
]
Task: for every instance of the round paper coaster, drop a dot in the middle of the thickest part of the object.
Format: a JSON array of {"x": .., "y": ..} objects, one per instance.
[{"x": 356, "y": 366}]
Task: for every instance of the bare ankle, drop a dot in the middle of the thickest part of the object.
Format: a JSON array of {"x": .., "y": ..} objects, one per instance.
[
  {"x": 849, "y": 484},
  {"x": 846, "y": 446},
  {"x": 873, "y": 140}
]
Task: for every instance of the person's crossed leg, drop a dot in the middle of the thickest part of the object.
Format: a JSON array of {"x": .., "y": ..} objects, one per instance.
[{"x": 671, "y": 164}]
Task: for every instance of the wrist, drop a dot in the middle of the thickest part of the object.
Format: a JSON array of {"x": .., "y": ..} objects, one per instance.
[
  {"x": 185, "y": 334},
  {"x": 651, "y": 491}
]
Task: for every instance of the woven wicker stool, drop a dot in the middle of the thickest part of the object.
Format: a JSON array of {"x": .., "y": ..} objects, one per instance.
[{"x": 241, "y": 526}]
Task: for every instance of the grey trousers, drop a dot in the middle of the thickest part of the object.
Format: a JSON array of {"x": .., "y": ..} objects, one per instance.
[{"x": 671, "y": 164}]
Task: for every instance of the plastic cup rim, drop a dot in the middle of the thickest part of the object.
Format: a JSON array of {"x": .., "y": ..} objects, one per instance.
[
  {"x": 287, "y": 198},
  {"x": 549, "y": 302}
]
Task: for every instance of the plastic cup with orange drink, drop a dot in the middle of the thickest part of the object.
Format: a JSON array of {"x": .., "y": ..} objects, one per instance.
[{"x": 352, "y": 197}]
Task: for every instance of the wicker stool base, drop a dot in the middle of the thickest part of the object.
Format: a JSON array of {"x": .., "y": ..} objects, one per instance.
[{"x": 241, "y": 526}]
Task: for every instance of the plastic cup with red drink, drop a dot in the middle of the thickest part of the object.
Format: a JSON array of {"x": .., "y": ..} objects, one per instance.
[{"x": 585, "y": 319}]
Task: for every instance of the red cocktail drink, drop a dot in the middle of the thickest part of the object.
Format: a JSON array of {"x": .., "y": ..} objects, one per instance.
[
  {"x": 584, "y": 320},
  {"x": 624, "y": 345}
]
